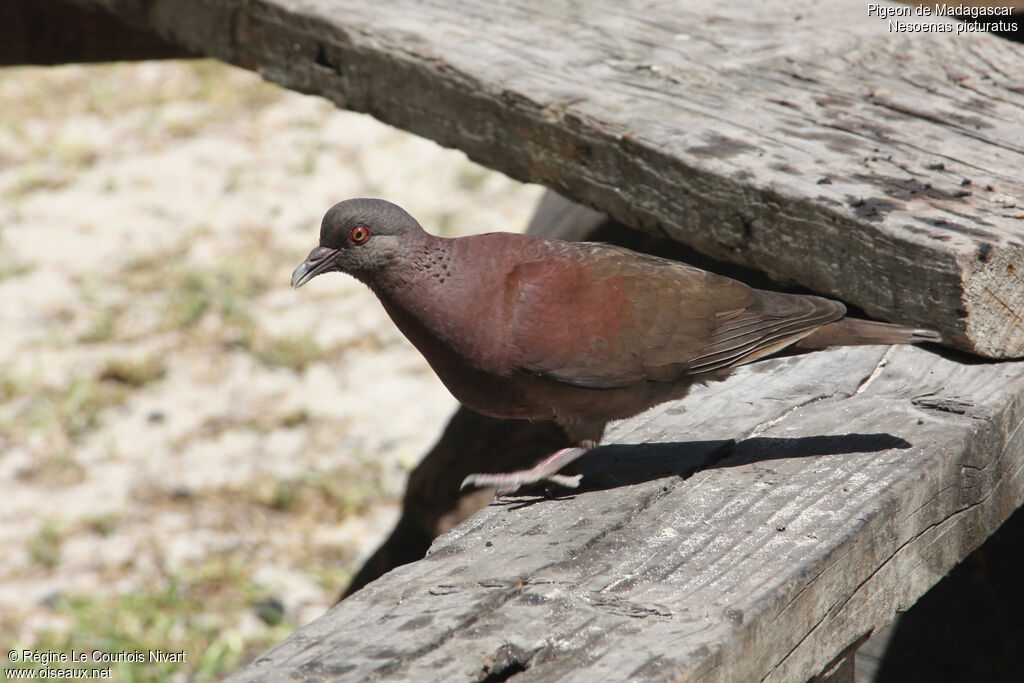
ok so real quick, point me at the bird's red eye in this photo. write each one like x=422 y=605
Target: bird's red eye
x=359 y=234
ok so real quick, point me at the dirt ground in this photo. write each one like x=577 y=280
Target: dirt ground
x=196 y=457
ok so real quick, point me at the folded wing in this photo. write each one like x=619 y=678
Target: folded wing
x=599 y=316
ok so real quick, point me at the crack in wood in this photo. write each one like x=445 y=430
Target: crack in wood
x=931 y=118
x=945 y=404
x=768 y=424
x=874 y=374
x=1018 y=316
x=626 y=608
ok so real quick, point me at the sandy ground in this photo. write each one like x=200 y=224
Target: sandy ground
x=180 y=432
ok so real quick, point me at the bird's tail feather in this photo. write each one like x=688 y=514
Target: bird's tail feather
x=853 y=332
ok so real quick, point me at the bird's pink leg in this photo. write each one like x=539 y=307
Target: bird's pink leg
x=509 y=482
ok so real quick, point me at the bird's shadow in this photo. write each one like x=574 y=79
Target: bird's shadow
x=620 y=465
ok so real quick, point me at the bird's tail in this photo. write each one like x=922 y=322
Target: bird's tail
x=853 y=332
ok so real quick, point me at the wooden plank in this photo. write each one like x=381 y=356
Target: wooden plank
x=966 y=628
x=806 y=139
x=56 y=32
x=758 y=530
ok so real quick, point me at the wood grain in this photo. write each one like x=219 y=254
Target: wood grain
x=805 y=138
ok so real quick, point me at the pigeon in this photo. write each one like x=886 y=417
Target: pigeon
x=581 y=333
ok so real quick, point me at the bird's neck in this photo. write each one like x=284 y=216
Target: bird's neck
x=412 y=289
x=416 y=272
x=438 y=302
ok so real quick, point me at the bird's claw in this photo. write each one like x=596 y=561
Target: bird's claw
x=510 y=482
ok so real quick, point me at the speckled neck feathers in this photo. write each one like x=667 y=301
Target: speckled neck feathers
x=434 y=262
x=426 y=261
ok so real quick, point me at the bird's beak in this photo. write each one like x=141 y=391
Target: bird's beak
x=320 y=260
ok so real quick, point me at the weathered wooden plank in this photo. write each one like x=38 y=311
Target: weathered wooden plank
x=805 y=139
x=966 y=628
x=56 y=32
x=822 y=494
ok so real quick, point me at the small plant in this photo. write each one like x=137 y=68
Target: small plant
x=103 y=525
x=73 y=410
x=11 y=269
x=9 y=386
x=133 y=372
x=331 y=577
x=45 y=546
x=294 y=353
x=102 y=327
x=471 y=177
x=341 y=493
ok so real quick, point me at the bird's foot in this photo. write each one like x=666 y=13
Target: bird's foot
x=510 y=482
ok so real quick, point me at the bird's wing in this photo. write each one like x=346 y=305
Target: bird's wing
x=599 y=316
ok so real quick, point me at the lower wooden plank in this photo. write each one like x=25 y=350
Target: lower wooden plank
x=756 y=530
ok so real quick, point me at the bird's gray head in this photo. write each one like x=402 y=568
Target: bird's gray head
x=360 y=237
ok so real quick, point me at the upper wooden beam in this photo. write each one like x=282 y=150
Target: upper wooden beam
x=807 y=139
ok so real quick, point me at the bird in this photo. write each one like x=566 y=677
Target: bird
x=581 y=333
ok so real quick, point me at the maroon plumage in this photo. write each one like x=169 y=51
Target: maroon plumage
x=581 y=333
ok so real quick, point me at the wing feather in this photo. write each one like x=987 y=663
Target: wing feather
x=600 y=316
